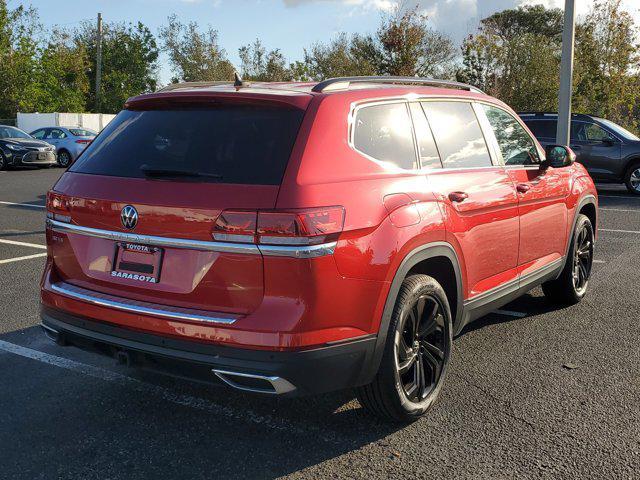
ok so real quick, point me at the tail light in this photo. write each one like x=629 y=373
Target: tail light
x=84 y=142
x=286 y=227
x=57 y=207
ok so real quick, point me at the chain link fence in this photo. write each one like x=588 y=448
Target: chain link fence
x=8 y=121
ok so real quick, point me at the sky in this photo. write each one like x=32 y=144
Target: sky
x=290 y=25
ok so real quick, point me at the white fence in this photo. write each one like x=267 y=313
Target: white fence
x=32 y=121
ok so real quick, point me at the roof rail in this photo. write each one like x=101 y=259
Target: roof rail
x=175 y=86
x=343 y=83
x=553 y=114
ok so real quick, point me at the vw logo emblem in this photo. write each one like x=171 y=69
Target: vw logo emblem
x=129 y=217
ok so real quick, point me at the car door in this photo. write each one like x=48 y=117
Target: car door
x=54 y=136
x=477 y=197
x=541 y=193
x=597 y=149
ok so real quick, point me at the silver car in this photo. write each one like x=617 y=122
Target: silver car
x=69 y=141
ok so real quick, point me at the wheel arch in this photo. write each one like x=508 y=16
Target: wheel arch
x=438 y=260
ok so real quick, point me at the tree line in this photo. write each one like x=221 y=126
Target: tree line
x=514 y=55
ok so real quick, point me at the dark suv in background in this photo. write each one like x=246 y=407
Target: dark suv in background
x=610 y=153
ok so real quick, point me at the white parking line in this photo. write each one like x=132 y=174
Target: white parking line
x=29 y=205
x=509 y=313
x=620 y=196
x=618 y=231
x=599 y=261
x=619 y=210
x=147 y=389
x=23 y=244
x=26 y=257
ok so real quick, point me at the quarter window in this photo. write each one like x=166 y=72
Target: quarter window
x=516 y=146
x=384 y=132
x=457 y=134
x=429 y=156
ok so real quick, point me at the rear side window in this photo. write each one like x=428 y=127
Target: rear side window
x=229 y=144
x=458 y=134
x=384 y=132
x=542 y=128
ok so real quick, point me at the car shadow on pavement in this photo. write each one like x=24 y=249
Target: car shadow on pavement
x=531 y=304
x=89 y=416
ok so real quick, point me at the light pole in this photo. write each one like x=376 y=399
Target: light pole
x=563 y=136
x=98 y=61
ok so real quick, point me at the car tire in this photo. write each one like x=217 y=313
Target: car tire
x=64 y=158
x=632 y=178
x=416 y=359
x=571 y=286
x=3 y=162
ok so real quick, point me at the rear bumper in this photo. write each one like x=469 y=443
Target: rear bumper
x=318 y=370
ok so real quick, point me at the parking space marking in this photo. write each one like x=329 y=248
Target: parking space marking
x=619 y=210
x=617 y=231
x=19 y=259
x=619 y=196
x=23 y=244
x=510 y=313
x=198 y=403
x=28 y=205
x=599 y=261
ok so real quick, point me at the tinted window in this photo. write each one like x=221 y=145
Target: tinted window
x=515 y=144
x=384 y=133
x=458 y=134
x=542 y=128
x=241 y=144
x=429 y=156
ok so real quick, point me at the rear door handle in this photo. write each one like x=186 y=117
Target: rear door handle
x=458 y=197
x=523 y=187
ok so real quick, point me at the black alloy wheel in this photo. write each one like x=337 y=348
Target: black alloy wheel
x=582 y=258
x=416 y=354
x=421 y=348
x=572 y=283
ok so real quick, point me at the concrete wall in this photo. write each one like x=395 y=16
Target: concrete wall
x=32 y=121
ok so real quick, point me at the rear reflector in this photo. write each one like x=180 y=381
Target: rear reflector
x=85 y=142
x=293 y=227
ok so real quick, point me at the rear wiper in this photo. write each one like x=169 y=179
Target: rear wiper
x=170 y=172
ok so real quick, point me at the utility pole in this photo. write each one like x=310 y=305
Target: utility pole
x=563 y=136
x=98 y=61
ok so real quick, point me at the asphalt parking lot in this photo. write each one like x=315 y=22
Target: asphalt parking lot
x=534 y=392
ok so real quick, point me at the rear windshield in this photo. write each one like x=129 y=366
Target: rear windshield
x=81 y=132
x=227 y=144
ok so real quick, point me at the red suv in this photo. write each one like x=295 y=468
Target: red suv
x=296 y=238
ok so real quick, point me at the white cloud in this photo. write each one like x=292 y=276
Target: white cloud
x=459 y=18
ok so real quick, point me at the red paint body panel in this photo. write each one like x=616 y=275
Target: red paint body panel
x=284 y=303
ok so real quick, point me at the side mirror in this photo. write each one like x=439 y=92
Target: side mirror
x=608 y=142
x=558 y=156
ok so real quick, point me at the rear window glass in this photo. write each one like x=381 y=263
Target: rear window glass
x=81 y=132
x=384 y=133
x=458 y=134
x=249 y=145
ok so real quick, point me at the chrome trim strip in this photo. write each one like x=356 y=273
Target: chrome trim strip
x=153 y=240
x=296 y=251
x=280 y=385
x=142 y=308
x=302 y=251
